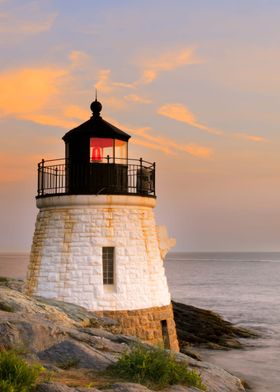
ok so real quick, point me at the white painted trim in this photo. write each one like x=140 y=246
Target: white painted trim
x=97 y=201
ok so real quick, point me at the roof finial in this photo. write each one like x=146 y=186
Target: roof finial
x=96 y=106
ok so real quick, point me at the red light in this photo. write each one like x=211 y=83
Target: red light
x=96 y=154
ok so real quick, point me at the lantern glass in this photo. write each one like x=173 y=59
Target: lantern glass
x=120 y=151
x=100 y=149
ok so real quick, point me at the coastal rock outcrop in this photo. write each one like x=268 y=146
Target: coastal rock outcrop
x=204 y=328
x=68 y=339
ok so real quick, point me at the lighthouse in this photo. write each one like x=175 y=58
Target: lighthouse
x=96 y=243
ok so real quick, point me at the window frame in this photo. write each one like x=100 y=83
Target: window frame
x=108 y=265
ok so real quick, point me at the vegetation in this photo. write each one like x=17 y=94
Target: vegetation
x=15 y=374
x=155 y=368
x=68 y=363
x=6 y=307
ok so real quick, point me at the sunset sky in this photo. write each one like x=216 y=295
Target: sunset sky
x=195 y=82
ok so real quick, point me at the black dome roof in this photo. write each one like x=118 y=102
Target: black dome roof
x=96 y=127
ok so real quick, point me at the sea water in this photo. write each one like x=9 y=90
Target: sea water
x=243 y=287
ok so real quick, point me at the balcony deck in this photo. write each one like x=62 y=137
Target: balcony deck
x=118 y=177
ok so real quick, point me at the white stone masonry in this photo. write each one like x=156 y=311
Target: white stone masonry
x=66 y=256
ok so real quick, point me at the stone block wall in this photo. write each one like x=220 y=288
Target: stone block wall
x=66 y=255
x=146 y=324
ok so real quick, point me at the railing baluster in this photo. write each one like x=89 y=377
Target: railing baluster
x=42 y=178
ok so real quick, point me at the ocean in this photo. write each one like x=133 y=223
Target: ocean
x=243 y=287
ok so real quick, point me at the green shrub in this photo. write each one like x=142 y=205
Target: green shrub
x=68 y=363
x=6 y=307
x=15 y=374
x=154 y=368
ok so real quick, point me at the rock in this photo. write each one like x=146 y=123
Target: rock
x=53 y=387
x=80 y=355
x=28 y=331
x=76 y=312
x=180 y=388
x=190 y=353
x=14 y=284
x=98 y=342
x=215 y=378
x=200 y=327
x=56 y=387
x=127 y=387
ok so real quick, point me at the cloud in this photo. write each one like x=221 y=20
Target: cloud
x=151 y=68
x=14 y=170
x=179 y=112
x=104 y=83
x=26 y=19
x=167 y=61
x=164 y=144
x=78 y=59
x=251 y=138
x=137 y=99
x=38 y=26
x=26 y=91
x=76 y=112
x=52 y=120
x=122 y=84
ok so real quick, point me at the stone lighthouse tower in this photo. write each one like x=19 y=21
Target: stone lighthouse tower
x=96 y=243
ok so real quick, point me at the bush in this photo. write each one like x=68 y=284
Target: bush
x=154 y=368
x=6 y=307
x=68 y=363
x=15 y=374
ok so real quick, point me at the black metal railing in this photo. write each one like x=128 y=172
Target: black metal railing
x=118 y=176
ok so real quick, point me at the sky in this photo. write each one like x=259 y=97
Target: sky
x=195 y=82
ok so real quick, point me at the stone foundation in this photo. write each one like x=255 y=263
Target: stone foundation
x=153 y=325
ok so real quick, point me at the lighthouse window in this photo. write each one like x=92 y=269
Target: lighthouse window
x=108 y=264
x=120 y=151
x=101 y=149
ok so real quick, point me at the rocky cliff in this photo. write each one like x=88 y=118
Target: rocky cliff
x=77 y=346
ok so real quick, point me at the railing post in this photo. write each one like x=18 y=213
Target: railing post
x=42 y=176
x=141 y=175
x=56 y=180
x=108 y=158
x=38 y=181
x=154 y=178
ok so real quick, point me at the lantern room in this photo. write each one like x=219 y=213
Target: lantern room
x=96 y=162
x=96 y=141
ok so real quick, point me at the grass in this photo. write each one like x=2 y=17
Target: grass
x=68 y=363
x=154 y=368
x=6 y=307
x=16 y=375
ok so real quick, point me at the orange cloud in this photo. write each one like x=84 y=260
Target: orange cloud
x=78 y=58
x=26 y=91
x=52 y=120
x=166 y=62
x=173 y=147
x=33 y=22
x=39 y=26
x=166 y=145
x=137 y=99
x=13 y=170
x=179 y=112
x=251 y=138
x=104 y=83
